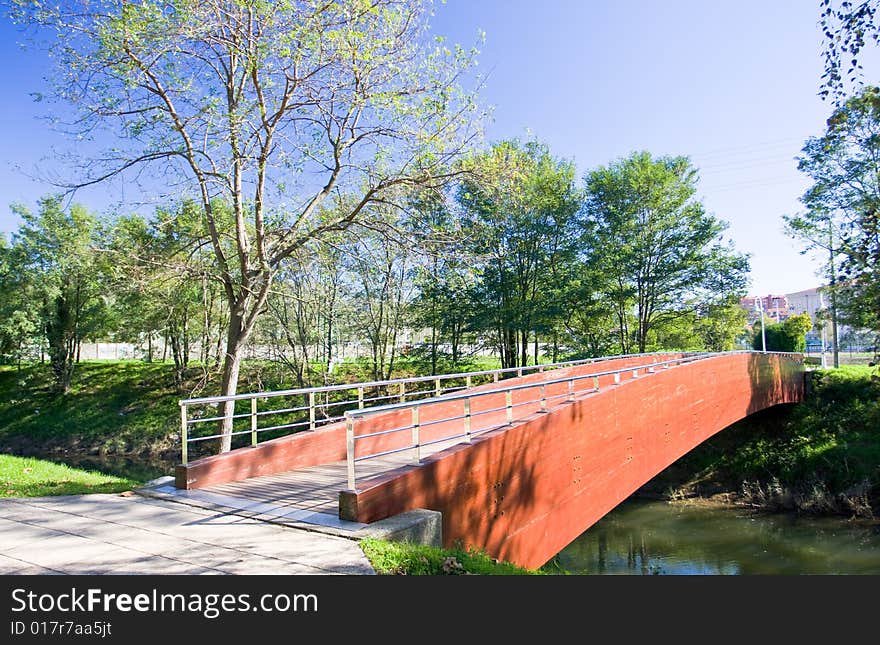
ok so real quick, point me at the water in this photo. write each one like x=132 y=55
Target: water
x=657 y=538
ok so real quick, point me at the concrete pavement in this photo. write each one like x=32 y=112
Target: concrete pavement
x=132 y=534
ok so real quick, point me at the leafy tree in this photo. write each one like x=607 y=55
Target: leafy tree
x=162 y=277
x=443 y=273
x=19 y=320
x=519 y=209
x=661 y=254
x=721 y=327
x=54 y=250
x=847 y=27
x=841 y=220
x=273 y=107
x=786 y=336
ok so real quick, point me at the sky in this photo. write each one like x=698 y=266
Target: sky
x=732 y=84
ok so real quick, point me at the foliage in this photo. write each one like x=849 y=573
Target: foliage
x=842 y=219
x=59 y=282
x=661 y=255
x=847 y=26
x=519 y=209
x=405 y=558
x=111 y=407
x=787 y=336
x=29 y=477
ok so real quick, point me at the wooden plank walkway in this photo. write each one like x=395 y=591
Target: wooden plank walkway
x=306 y=496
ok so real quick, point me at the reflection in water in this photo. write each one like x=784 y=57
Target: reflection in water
x=653 y=538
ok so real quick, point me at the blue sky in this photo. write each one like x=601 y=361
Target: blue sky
x=731 y=84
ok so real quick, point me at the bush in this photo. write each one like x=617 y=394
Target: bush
x=787 y=336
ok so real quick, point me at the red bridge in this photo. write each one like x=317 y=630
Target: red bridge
x=517 y=467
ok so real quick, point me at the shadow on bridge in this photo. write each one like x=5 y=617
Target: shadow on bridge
x=523 y=492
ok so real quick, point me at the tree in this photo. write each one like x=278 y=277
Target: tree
x=519 y=208
x=842 y=219
x=273 y=107
x=787 y=336
x=847 y=27
x=19 y=320
x=660 y=252
x=443 y=273
x=161 y=271
x=54 y=253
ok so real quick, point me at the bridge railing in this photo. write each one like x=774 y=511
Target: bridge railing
x=457 y=418
x=258 y=416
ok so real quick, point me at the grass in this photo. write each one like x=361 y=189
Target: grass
x=114 y=407
x=820 y=456
x=130 y=407
x=404 y=558
x=29 y=477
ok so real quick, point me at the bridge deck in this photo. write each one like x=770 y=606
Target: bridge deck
x=303 y=496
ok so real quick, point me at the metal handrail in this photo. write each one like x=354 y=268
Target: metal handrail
x=187 y=421
x=467 y=416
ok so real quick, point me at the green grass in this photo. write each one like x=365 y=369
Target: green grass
x=29 y=477
x=130 y=407
x=115 y=407
x=404 y=558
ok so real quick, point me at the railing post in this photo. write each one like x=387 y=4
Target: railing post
x=254 y=421
x=596 y=383
x=403 y=392
x=508 y=396
x=495 y=376
x=636 y=373
x=184 y=435
x=361 y=397
x=571 y=390
x=543 y=398
x=437 y=390
x=415 y=434
x=617 y=378
x=519 y=371
x=467 y=381
x=349 y=449
x=467 y=420
x=540 y=368
x=311 y=410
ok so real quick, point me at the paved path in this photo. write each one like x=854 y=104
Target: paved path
x=122 y=534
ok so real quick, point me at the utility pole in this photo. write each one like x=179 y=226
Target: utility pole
x=833 y=279
x=821 y=306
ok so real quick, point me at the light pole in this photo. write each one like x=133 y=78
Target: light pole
x=824 y=360
x=759 y=306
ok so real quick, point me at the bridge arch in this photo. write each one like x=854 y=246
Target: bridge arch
x=525 y=491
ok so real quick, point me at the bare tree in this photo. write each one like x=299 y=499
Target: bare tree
x=271 y=107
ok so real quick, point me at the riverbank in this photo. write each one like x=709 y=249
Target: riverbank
x=819 y=457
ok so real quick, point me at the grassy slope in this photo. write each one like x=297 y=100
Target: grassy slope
x=28 y=477
x=114 y=407
x=820 y=456
x=128 y=407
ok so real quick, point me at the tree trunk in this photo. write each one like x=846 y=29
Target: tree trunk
x=235 y=342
